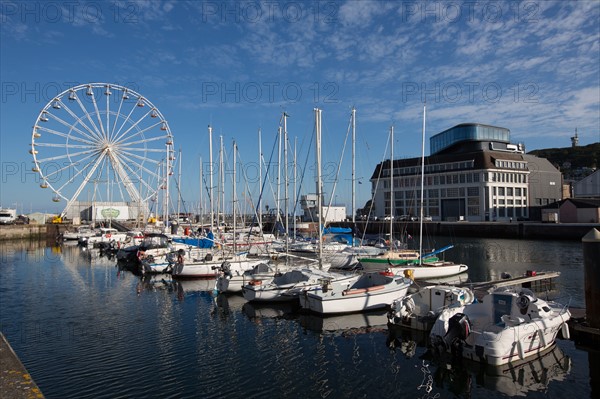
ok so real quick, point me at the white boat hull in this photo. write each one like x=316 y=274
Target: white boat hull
x=500 y=331
x=210 y=268
x=355 y=295
x=419 y=311
x=419 y=272
x=287 y=286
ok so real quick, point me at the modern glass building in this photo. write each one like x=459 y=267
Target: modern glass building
x=467 y=132
x=473 y=173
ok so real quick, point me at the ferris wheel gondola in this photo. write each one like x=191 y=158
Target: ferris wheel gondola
x=100 y=142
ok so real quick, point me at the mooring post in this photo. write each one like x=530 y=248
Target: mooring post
x=591 y=265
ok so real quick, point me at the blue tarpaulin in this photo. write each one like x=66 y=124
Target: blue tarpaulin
x=207 y=242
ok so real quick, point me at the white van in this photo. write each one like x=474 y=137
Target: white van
x=8 y=216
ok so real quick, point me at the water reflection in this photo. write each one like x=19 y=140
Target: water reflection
x=515 y=379
x=458 y=375
x=356 y=323
x=79 y=322
x=257 y=311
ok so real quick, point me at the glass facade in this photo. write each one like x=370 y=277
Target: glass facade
x=467 y=132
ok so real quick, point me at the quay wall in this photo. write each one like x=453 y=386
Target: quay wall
x=524 y=230
x=519 y=230
x=31 y=231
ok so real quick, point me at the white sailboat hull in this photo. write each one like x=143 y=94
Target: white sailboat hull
x=419 y=272
x=362 y=293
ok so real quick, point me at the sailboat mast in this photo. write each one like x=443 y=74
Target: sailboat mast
x=222 y=171
x=234 y=198
x=353 y=164
x=260 y=179
x=179 y=186
x=319 y=202
x=392 y=186
x=295 y=179
x=210 y=173
x=285 y=181
x=277 y=206
x=201 y=210
x=422 y=186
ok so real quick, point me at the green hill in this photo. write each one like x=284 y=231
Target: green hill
x=574 y=162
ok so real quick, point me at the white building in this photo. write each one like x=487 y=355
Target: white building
x=473 y=173
x=330 y=213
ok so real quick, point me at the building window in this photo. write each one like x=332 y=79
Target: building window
x=475 y=177
x=500 y=190
x=473 y=191
x=452 y=192
x=509 y=191
x=518 y=191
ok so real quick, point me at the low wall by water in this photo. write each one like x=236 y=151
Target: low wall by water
x=37 y=231
x=528 y=230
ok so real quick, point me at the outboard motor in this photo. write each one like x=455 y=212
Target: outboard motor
x=226 y=269
x=459 y=328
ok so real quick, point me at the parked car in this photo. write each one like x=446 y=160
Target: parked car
x=404 y=218
x=388 y=218
x=427 y=219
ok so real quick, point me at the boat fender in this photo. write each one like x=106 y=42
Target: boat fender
x=409 y=273
x=520 y=350
x=566 y=334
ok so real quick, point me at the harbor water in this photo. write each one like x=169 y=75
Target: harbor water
x=85 y=329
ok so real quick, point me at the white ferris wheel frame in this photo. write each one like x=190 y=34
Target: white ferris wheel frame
x=91 y=144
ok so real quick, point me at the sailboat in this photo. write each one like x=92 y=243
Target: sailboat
x=400 y=261
x=293 y=283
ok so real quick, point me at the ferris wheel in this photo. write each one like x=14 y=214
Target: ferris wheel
x=102 y=142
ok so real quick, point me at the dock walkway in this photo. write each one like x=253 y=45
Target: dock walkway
x=15 y=381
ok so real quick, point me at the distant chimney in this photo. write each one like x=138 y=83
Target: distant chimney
x=575 y=139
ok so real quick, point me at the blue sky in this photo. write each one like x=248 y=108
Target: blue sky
x=532 y=67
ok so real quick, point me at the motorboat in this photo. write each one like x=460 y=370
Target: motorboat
x=420 y=309
x=104 y=235
x=509 y=324
x=360 y=293
x=80 y=232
